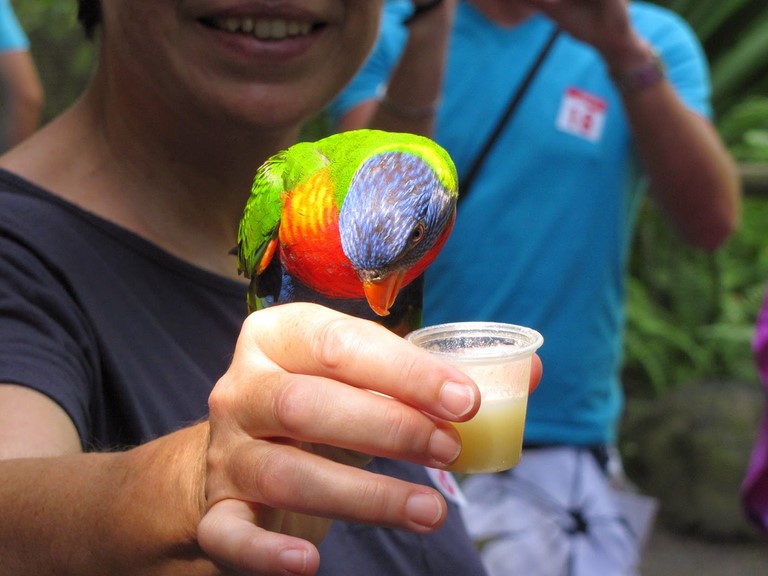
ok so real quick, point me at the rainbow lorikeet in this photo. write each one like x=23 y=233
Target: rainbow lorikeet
x=348 y=221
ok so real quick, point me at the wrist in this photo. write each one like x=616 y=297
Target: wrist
x=407 y=111
x=165 y=495
x=643 y=70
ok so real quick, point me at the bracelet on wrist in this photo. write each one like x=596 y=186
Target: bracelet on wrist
x=421 y=9
x=405 y=111
x=642 y=77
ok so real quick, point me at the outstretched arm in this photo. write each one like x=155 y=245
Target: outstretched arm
x=254 y=487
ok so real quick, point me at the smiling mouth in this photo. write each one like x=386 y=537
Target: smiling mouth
x=262 y=28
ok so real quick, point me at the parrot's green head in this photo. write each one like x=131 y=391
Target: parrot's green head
x=397 y=214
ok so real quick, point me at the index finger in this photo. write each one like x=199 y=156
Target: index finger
x=306 y=338
x=537 y=369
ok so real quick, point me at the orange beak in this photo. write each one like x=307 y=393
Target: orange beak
x=381 y=294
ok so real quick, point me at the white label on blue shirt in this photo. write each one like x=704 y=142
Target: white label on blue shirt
x=582 y=114
x=446 y=483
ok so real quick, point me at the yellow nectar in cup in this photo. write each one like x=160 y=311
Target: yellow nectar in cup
x=498 y=358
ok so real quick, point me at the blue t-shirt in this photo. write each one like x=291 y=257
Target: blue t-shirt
x=543 y=238
x=12 y=35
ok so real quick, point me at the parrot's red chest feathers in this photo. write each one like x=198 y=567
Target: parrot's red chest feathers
x=310 y=244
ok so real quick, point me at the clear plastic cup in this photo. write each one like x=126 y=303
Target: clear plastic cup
x=497 y=357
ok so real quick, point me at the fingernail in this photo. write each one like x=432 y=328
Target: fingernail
x=424 y=509
x=457 y=399
x=444 y=446
x=294 y=560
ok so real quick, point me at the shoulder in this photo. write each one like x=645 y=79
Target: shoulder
x=680 y=49
x=24 y=205
x=661 y=25
x=62 y=241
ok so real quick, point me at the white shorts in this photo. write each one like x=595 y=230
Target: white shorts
x=556 y=514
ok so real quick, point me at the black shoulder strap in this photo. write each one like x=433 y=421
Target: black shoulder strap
x=466 y=183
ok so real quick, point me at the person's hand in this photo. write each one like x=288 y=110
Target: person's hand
x=430 y=18
x=537 y=369
x=301 y=380
x=604 y=24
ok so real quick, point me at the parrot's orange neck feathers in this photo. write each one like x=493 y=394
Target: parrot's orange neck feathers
x=310 y=245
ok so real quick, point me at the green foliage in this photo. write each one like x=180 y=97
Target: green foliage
x=744 y=129
x=316 y=128
x=691 y=314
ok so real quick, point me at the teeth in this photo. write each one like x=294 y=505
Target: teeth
x=231 y=24
x=277 y=29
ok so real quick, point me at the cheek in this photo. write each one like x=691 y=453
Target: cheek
x=140 y=35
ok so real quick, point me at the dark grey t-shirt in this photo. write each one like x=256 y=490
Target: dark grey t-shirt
x=130 y=340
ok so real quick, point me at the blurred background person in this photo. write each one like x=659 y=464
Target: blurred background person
x=754 y=491
x=608 y=98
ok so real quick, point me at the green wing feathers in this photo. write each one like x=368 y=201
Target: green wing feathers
x=261 y=217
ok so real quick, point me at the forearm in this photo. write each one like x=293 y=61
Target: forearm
x=22 y=97
x=21 y=119
x=414 y=87
x=133 y=512
x=691 y=174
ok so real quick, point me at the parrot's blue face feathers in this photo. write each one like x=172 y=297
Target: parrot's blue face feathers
x=394 y=211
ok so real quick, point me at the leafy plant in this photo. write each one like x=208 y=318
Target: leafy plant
x=744 y=129
x=691 y=314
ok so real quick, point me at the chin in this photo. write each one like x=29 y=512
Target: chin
x=284 y=109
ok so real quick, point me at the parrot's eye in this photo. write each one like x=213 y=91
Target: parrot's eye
x=417 y=234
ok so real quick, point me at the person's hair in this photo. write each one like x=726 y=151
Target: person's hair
x=89 y=15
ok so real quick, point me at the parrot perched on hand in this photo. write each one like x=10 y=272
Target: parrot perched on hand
x=347 y=222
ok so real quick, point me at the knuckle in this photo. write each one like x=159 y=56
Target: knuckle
x=335 y=343
x=218 y=399
x=295 y=408
x=375 y=500
x=401 y=428
x=277 y=475
x=225 y=399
